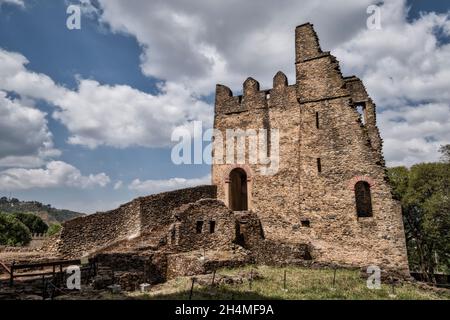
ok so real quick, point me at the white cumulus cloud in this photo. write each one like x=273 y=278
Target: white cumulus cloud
x=55 y=174
x=25 y=139
x=118 y=116
x=19 y=3
x=155 y=186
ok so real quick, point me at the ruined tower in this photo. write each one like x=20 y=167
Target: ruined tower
x=330 y=189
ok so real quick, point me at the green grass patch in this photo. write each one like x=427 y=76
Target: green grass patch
x=301 y=283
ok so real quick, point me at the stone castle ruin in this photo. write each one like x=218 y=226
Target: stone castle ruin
x=329 y=203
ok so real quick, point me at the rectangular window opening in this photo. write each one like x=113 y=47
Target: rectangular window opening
x=317 y=120
x=199 y=226
x=306 y=223
x=319 y=165
x=212 y=226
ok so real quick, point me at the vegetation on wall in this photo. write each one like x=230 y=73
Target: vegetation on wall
x=53 y=229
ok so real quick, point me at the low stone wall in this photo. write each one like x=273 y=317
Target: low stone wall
x=150 y=267
x=156 y=209
x=249 y=231
x=84 y=235
x=277 y=253
x=205 y=224
x=89 y=234
x=195 y=263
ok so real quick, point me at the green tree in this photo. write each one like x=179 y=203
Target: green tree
x=54 y=229
x=34 y=223
x=12 y=231
x=445 y=151
x=424 y=192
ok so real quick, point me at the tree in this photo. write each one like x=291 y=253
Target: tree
x=445 y=151
x=34 y=223
x=12 y=231
x=424 y=192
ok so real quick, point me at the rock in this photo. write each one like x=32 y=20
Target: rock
x=115 y=288
x=31 y=297
x=101 y=282
x=145 y=287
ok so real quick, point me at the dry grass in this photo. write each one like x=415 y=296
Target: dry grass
x=302 y=283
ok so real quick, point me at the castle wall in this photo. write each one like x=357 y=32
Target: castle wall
x=88 y=234
x=205 y=224
x=319 y=126
x=83 y=235
x=156 y=209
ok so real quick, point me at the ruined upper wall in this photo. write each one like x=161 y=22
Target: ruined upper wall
x=86 y=234
x=205 y=224
x=307 y=44
x=318 y=73
x=356 y=89
x=156 y=209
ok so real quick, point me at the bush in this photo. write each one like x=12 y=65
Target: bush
x=34 y=223
x=12 y=231
x=54 y=229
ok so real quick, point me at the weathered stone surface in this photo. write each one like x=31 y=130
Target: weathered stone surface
x=317 y=118
x=88 y=234
x=305 y=213
x=199 y=262
x=205 y=224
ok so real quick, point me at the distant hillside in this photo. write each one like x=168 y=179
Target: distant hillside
x=46 y=212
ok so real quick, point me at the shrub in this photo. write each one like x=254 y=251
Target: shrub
x=34 y=223
x=54 y=229
x=12 y=231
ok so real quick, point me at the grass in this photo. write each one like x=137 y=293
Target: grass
x=302 y=283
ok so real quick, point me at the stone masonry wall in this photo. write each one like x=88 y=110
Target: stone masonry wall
x=89 y=234
x=156 y=209
x=318 y=123
x=205 y=224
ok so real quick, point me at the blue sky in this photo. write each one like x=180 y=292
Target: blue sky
x=150 y=49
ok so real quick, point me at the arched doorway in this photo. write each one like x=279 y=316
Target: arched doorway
x=237 y=193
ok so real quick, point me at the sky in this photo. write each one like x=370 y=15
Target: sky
x=86 y=115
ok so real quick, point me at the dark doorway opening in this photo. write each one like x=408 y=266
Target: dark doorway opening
x=363 y=199
x=238 y=197
x=212 y=226
x=199 y=226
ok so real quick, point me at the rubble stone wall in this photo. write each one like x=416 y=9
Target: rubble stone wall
x=205 y=224
x=89 y=234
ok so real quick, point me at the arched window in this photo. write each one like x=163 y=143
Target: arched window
x=363 y=199
x=238 y=200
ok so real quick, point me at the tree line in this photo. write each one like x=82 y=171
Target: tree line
x=424 y=193
x=16 y=229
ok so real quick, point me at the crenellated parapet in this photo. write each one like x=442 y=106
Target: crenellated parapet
x=253 y=97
